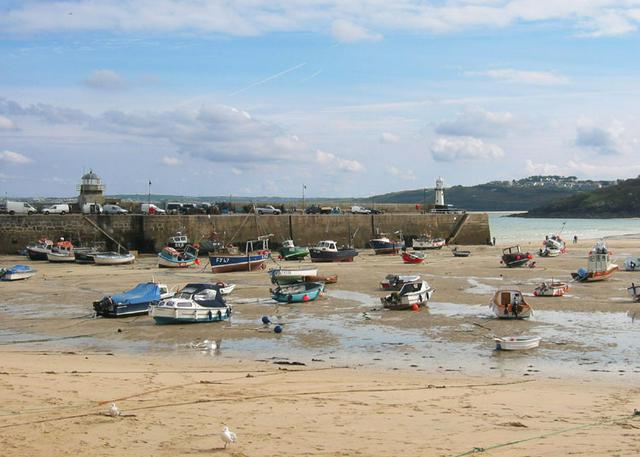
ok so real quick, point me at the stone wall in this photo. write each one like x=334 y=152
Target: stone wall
x=149 y=233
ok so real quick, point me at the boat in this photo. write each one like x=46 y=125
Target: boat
x=132 y=302
x=551 y=289
x=634 y=291
x=413 y=293
x=40 y=249
x=549 y=252
x=599 y=266
x=460 y=253
x=85 y=256
x=395 y=282
x=384 y=245
x=512 y=257
x=291 y=275
x=205 y=246
x=225 y=287
x=510 y=304
x=331 y=279
x=426 y=242
x=171 y=258
x=113 y=258
x=555 y=243
x=289 y=251
x=631 y=264
x=196 y=302
x=517 y=343
x=412 y=257
x=250 y=261
x=16 y=272
x=297 y=293
x=178 y=241
x=328 y=251
x=62 y=252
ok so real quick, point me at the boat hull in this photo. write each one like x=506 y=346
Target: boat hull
x=296 y=253
x=105 y=309
x=55 y=257
x=35 y=253
x=227 y=263
x=285 y=276
x=386 y=247
x=409 y=258
x=311 y=292
x=163 y=262
x=594 y=276
x=517 y=343
x=114 y=260
x=168 y=316
x=345 y=255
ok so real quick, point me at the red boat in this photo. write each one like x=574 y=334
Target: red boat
x=413 y=257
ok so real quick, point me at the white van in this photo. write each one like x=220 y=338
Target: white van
x=360 y=210
x=150 y=208
x=62 y=208
x=114 y=209
x=20 y=208
x=91 y=208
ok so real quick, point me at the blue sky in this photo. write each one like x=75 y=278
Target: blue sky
x=351 y=98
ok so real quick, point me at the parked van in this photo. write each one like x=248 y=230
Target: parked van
x=92 y=208
x=114 y=209
x=61 y=208
x=174 y=208
x=150 y=208
x=20 y=208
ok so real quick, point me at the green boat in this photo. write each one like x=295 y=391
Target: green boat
x=289 y=251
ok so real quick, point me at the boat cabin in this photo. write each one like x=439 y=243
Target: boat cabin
x=288 y=244
x=411 y=287
x=327 y=245
x=510 y=297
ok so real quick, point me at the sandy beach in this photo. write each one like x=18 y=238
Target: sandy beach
x=344 y=378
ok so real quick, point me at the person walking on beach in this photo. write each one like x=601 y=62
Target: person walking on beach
x=575 y=239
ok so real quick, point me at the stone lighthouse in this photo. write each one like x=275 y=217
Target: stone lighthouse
x=91 y=189
x=439 y=192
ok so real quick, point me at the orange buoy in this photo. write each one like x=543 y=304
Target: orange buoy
x=415 y=307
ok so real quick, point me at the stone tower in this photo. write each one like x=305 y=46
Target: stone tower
x=91 y=189
x=440 y=192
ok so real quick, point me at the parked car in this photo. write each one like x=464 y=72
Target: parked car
x=174 y=208
x=268 y=210
x=150 y=208
x=375 y=211
x=360 y=210
x=313 y=209
x=92 y=208
x=114 y=209
x=20 y=208
x=61 y=208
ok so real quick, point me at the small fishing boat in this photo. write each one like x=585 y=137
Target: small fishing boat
x=460 y=253
x=171 y=258
x=395 y=282
x=426 y=242
x=225 y=287
x=512 y=257
x=40 y=249
x=289 y=251
x=113 y=258
x=132 y=302
x=510 y=304
x=384 y=245
x=549 y=252
x=252 y=259
x=551 y=289
x=555 y=243
x=599 y=266
x=632 y=264
x=415 y=293
x=517 y=343
x=62 y=252
x=412 y=257
x=178 y=241
x=297 y=293
x=331 y=279
x=87 y=256
x=291 y=275
x=195 y=303
x=16 y=273
x=328 y=251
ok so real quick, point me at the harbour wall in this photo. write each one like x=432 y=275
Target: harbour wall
x=149 y=233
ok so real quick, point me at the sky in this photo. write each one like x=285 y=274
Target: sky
x=345 y=97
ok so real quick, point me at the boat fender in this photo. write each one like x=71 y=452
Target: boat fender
x=420 y=298
x=210 y=315
x=219 y=315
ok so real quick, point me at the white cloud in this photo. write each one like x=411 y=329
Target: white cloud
x=407 y=175
x=464 y=148
x=477 y=122
x=512 y=75
x=348 y=32
x=171 y=161
x=331 y=161
x=7 y=124
x=543 y=168
x=608 y=140
x=14 y=157
x=387 y=137
x=105 y=80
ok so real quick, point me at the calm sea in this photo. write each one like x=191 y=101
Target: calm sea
x=520 y=229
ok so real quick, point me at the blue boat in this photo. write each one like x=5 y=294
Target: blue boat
x=298 y=293
x=170 y=258
x=384 y=245
x=16 y=273
x=132 y=302
x=196 y=302
x=250 y=261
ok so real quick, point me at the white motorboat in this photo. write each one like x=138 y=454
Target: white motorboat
x=225 y=287
x=551 y=289
x=194 y=303
x=290 y=275
x=411 y=293
x=426 y=242
x=517 y=343
x=510 y=304
x=16 y=272
x=395 y=281
x=113 y=258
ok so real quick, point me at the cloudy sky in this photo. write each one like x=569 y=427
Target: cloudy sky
x=350 y=97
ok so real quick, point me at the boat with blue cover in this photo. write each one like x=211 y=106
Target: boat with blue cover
x=298 y=293
x=171 y=258
x=253 y=259
x=196 y=302
x=16 y=273
x=132 y=302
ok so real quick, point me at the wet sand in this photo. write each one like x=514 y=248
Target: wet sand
x=365 y=380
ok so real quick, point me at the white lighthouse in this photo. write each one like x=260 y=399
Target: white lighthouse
x=440 y=192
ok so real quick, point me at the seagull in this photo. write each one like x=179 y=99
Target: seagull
x=114 y=411
x=228 y=436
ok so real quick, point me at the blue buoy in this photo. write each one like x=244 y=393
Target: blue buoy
x=277 y=329
x=266 y=320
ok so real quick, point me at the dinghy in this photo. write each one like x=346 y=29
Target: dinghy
x=171 y=258
x=512 y=257
x=291 y=275
x=517 y=343
x=412 y=293
x=196 y=302
x=297 y=293
x=16 y=272
x=132 y=302
x=113 y=258
x=412 y=257
x=632 y=264
x=458 y=253
x=551 y=289
x=510 y=304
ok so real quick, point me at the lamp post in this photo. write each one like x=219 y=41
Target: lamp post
x=149 y=200
x=304 y=186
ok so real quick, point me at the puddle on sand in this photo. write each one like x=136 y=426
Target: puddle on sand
x=360 y=298
x=478 y=288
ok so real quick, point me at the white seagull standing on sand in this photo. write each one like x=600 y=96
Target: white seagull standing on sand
x=114 y=411
x=228 y=436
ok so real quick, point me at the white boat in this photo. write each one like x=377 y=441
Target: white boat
x=225 y=287
x=510 y=304
x=632 y=264
x=549 y=252
x=395 y=282
x=425 y=242
x=551 y=289
x=411 y=293
x=517 y=343
x=599 y=266
x=194 y=303
x=113 y=258
x=16 y=272
x=554 y=242
x=290 y=275
x=61 y=256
